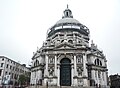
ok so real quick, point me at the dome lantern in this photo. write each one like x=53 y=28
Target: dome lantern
x=68 y=23
x=67 y=13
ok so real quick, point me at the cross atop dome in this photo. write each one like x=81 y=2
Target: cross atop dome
x=67 y=13
x=67 y=6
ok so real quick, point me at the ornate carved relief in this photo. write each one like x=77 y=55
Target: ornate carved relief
x=51 y=71
x=79 y=70
x=79 y=59
x=80 y=82
x=79 y=62
x=99 y=74
x=51 y=59
x=51 y=62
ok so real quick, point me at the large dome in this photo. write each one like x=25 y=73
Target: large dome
x=67 y=20
x=68 y=23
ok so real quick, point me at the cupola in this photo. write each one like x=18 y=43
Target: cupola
x=67 y=13
x=68 y=23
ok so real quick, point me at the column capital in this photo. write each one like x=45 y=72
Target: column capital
x=58 y=66
x=72 y=66
x=74 y=54
x=83 y=54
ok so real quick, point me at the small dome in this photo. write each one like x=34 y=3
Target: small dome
x=67 y=20
x=67 y=17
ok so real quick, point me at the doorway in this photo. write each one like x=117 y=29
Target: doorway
x=65 y=72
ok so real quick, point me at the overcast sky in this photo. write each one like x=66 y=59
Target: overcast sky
x=24 y=23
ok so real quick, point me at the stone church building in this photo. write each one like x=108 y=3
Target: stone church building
x=66 y=57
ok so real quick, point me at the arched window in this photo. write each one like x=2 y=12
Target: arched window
x=70 y=41
x=36 y=63
x=67 y=13
x=95 y=62
x=62 y=41
x=98 y=62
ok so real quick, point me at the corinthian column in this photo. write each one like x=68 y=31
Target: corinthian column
x=55 y=65
x=75 y=69
x=72 y=71
x=58 y=73
x=85 y=73
x=46 y=67
x=75 y=72
x=46 y=70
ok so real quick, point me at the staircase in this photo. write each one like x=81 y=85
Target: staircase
x=57 y=87
x=61 y=87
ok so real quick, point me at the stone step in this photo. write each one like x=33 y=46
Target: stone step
x=56 y=87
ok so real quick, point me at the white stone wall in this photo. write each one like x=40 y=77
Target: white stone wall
x=93 y=74
x=74 y=81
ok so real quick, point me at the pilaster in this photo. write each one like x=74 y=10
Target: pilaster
x=93 y=74
x=58 y=74
x=55 y=65
x=72 y=71
x=75 y=72
x=75 y=68
x=46 y=70
x=105 y=78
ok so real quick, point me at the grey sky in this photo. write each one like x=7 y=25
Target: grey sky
x=24 y=23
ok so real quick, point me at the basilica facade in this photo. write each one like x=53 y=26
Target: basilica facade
x=66 y=57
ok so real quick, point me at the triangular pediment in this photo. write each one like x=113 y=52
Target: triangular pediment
x=64 y=46
x=98 y=53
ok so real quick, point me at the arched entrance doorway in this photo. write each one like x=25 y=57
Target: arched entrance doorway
x=65 y=72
